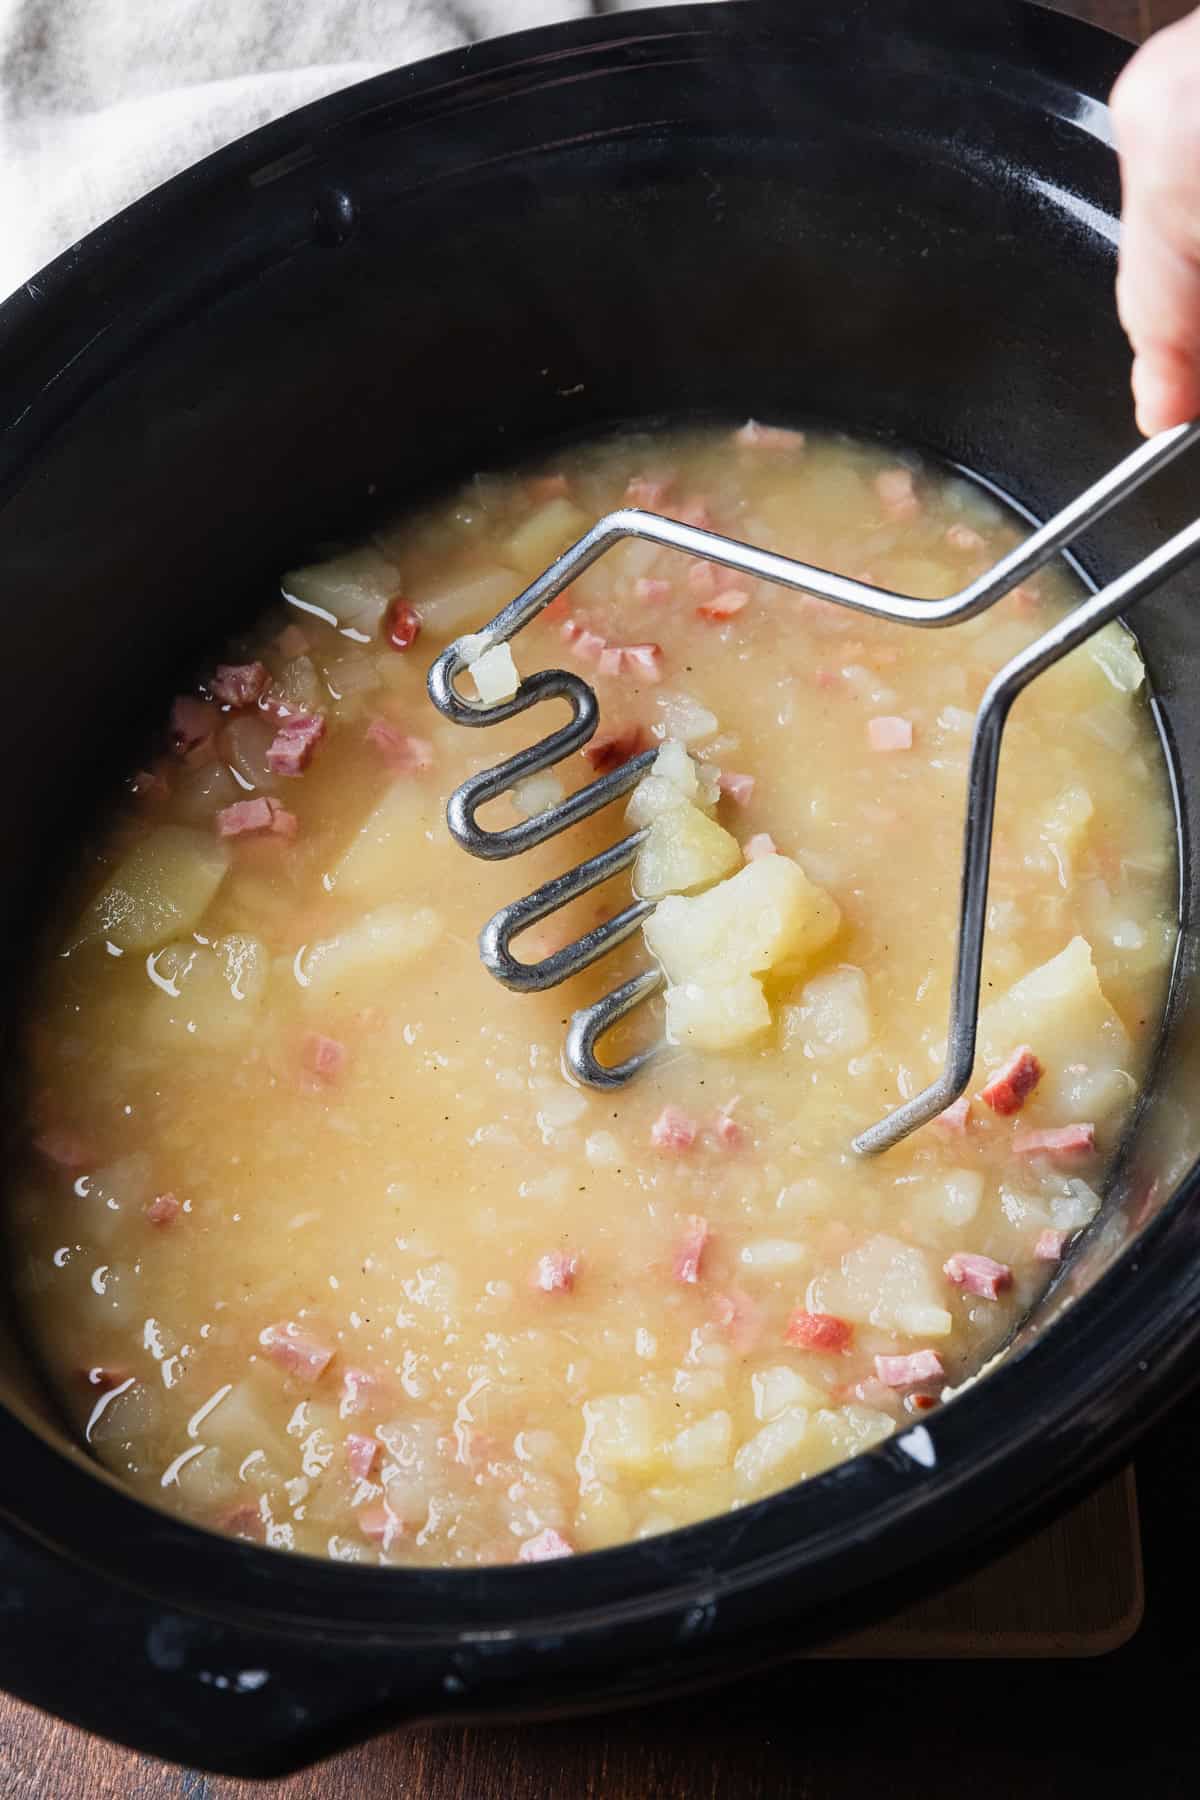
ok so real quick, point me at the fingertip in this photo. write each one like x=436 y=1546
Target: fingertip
x=1158 y=399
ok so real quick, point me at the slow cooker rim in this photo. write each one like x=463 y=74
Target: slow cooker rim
x=445 y=81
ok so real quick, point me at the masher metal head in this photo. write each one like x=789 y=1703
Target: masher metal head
x=590 y=1024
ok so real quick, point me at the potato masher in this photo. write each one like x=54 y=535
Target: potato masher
x=590 y=1024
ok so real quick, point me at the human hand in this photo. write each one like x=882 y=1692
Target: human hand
x=1156 y=115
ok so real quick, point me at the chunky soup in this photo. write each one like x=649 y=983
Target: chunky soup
x=320 y=1246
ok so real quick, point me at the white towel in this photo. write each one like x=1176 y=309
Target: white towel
x=100 y=100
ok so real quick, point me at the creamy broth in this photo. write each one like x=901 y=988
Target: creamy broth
x=318 y=1243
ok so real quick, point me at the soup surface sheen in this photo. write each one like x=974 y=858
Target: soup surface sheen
x=319 y=1245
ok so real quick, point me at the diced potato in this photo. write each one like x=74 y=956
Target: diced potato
x=354 y=965
x=538 y=794
x=705 y=1494
x=463 y=600
x=1107 y=667
x=707 y=1444
x=602 y=1517
x=495 y=674
x=300 y=685
x=771 y=1256
x=201 y=793
x=246 y=1420
x=161 y=890
x=1075 y=1207
x=699 y=1387
x=684 y=850
x=717 y=1015
x=849 y=1430
x=545 y=535
x=245 y=742
x=1063 y=828
x=685 y=718
x=379 y=858
x=1060 y=1009
x=760 y=1463
x=833 y=1016
x=618 y=1433
x=950 y=1199
x=781 y=1389
x=887 y=1284
x=354 y=589
x=675 y=779
x=206 y=995
x=1115 y=651
x=350 y=679
x=767 y=917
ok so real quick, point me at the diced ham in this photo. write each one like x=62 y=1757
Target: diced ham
x=1050 y=1244
x=614 y=748
x=324 y=1056
x=964 y=537
x=652 y=587
x=753 y=436
x=643 y=661
x=920 y=1402
x=361 y=1452
x=239 y=684
x=690 y=1254
x=728 y=1133
x=291 y=749
x=761 y=844
x=570 y=631
x=1026 y=600
x=650 y=491
x=362 y=1390
x=817 y=1331
x=611 y=660
x=401 y=625
x=673 y=1130
x=738 y=787
x=955 y=1118
x=244 y=1521
x=163 y=1208
x=107 y=1377
x=400 y=750
x=548 y=487
x=150 y=787
x=556 y=1271
x=1009 y=1088
x=885 y=733
x=59 y=1144
x=1062 y=1140
x=826 y=678
x=980 y=1275
x=380 y=1524
x=292 y=642
x=895 y=488
x=193 y=730
x=703 y=579
x=907 y=1371
x=544 y=1547
x=590 y=645
x=263 y=813
x=695 y=512
x=723 y=606
x=743 y=1319
x=296 y=1349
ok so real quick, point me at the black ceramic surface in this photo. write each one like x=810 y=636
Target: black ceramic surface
x=896 y=217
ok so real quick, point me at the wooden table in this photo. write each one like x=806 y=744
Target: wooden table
x=877 y=1727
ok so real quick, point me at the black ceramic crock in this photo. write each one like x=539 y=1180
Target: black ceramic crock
x=895 y=217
